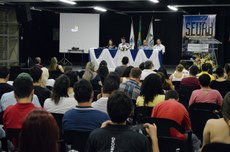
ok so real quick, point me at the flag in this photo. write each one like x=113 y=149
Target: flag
x=139 y=41
x=150 y=36
x=131 y=38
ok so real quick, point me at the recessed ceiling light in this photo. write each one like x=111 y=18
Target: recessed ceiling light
x=68 y=2
x=100 y=9
x=172 y=7
x=155 y=1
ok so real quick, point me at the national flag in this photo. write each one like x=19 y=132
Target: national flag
x=131 y=38
x=150 y=36
x=139 y=41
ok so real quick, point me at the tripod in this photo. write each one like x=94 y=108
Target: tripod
x=64 y=61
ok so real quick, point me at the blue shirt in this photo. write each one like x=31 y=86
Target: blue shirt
x=9 y=99
x=83 y=119
x=131 y=88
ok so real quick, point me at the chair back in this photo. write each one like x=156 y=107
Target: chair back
x=185 y=94
x=77 y=139
x=13 y=136
x=54 y=74
x=58 y=117
x=214 y=147
x=169 y=144
x=164 y=125
x=166 y=142
x=141 y=113
x=205 y=106
x=176 y=85
x=199 y=115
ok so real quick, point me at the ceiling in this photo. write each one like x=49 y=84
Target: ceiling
x=121 y=6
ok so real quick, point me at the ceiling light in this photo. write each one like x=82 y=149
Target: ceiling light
x=68 y=2
x=155 y=1
x=100 y=9
x=172 y=7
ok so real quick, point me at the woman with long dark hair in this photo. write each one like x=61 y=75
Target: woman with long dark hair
x=103 y=70
x=151 y=91
x=60 y=102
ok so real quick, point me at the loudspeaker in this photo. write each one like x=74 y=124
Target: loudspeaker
x=23 y=13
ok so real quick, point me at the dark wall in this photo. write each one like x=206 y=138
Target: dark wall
x=38 y=34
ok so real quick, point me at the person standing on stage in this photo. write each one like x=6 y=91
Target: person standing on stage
x=123 y=43
x=159 y=46
x=110 y=44
x=145 y=46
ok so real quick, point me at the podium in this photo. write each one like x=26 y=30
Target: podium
x=199 y=44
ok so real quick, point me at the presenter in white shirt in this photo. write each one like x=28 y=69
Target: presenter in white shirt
x=123 y=43
x=159 y=46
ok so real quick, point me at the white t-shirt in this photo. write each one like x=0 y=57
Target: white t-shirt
x=160 y=47
x=64 y=105
x=146 y=72
x=101 y=104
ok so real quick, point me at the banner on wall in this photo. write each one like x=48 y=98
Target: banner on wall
x=196 y=28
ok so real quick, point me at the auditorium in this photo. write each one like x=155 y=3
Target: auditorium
x=114 y=76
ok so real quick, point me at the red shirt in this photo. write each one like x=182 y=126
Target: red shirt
x=190 y=82
x=173 y=110
x=14 y=116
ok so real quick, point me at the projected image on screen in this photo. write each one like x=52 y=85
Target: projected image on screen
x=78 y=31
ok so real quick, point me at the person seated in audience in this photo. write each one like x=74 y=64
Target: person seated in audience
x=83 y=117
x=60 y=102
x=115 y=135
x=191 y=80
x=142 y=66
x=220 y=84
x=185 y=71
x=9 y=99
x=227 y=71
x=14 y=115
x=149 y=67
x=206 y=70
x=166 y=83
x=132 y=86
x=42 y=93
x=145 y=46
x=205 y=94
x=173 y=110
x=45 y=77
x=39 y=133
x=4 y=77
x=178 y=75
x=93 y=77
x=115 y=77
x=54 y=66
x=110 y=44
x=109 y=86
x=120 y=69
x=73 y=77
x=126 y=75
x=151 y=92
x=38 y=62
x=103 y=70
x=217 y=130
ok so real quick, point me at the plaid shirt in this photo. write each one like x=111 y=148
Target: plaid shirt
x=131 y=88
